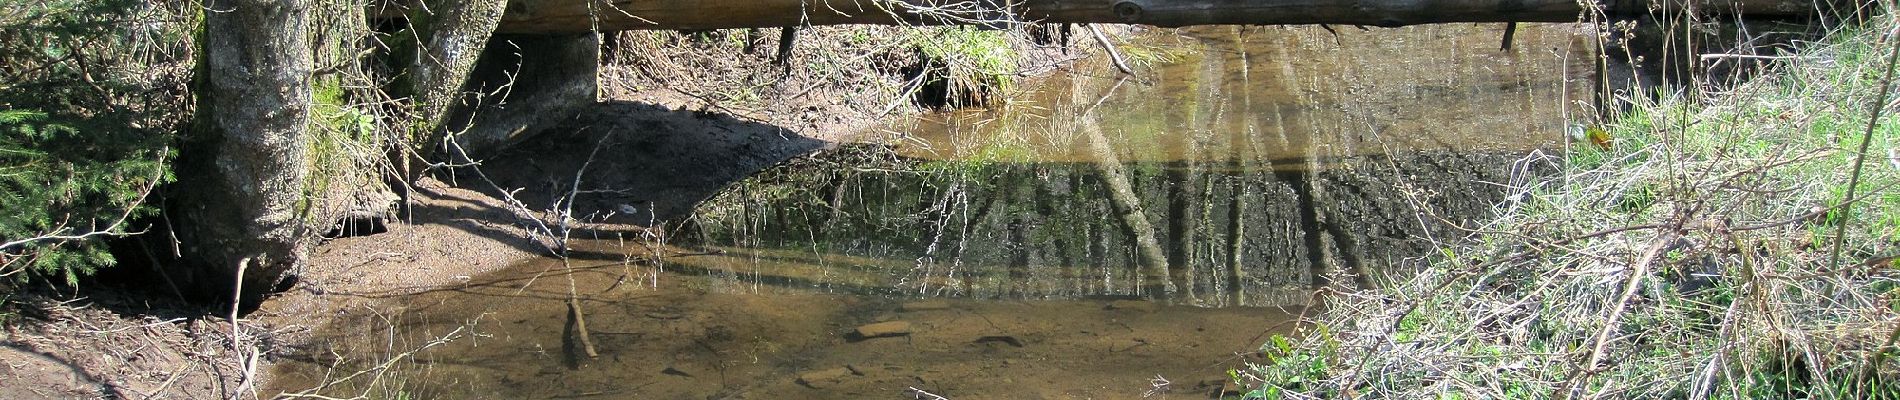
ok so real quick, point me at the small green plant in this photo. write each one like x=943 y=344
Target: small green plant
x=344 y=141
x=1288 y=367
x=974 y=65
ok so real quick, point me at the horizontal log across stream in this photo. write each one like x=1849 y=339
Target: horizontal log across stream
x=574 y=16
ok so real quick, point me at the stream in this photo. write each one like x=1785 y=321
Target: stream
x=1096 y=236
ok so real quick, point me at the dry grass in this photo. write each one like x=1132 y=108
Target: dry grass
x=1690 y=258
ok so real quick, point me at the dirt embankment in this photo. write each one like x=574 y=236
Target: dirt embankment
x=683 y=114
x=107 y=346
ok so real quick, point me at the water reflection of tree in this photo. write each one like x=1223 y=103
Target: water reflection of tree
x=1225 y=198
x=1152 y=263
x=1038 y=230
x=1241 y=146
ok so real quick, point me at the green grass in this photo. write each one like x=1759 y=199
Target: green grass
x=1739 y=301
x=344 y=144
x=975 y=66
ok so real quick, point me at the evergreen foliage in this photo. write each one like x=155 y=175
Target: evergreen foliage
x=91 y=93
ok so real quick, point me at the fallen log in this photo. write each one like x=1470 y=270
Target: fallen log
x=573 y=16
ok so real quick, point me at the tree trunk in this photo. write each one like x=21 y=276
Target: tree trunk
x=574 y=16
x=452 y=36
x=548 y=79
x=238 y=203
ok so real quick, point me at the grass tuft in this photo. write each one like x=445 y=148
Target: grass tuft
x=1688 y=258
x=972 y=66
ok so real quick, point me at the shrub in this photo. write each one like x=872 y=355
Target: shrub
x=1687 y=258
x=90 y=95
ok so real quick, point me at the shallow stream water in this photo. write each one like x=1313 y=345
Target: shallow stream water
x=1098 y=236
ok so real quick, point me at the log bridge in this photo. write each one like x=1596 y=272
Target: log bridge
x=576 y=16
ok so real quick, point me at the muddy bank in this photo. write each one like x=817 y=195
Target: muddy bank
x=834 y=82
x=104 y=344
x=461 y=226
x=656 y=160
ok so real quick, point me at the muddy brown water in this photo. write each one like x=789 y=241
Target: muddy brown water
x=1097 y=237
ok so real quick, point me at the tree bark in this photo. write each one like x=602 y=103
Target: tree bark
x=574 y=16
x=239 y=198
x=452 y=36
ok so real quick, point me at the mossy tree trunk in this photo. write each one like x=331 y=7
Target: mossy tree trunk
x=452 y=35
x=244 y=200
x=239 y=202
x=486 y=91
x=548 y=79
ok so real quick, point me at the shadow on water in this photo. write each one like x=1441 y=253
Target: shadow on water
x=1096 y=238
x=704 y=152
